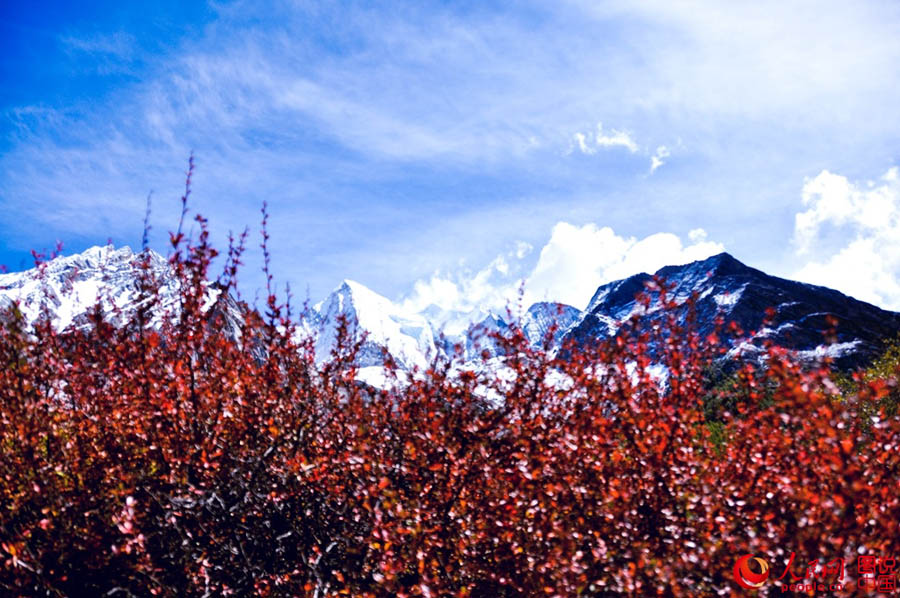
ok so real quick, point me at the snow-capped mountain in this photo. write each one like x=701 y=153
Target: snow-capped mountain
x=544 y=316
x=415 y=339
x=408 y=337
x=67 y=288
x=738 y=293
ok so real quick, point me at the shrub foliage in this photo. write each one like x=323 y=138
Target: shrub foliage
x=170 y=459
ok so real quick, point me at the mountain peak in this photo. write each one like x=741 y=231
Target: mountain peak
x=357 y=297
x=721 y=264
x=352 y=286
x=723 y=260
x=100 y=252
x=722 y=286
x=406 y=336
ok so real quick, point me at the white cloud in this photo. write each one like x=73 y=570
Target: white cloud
x=570 y=267
x=615 y=139
x=697 y=235
x=581 y=141
x=523 y=249
x=439 y=290
x=588 y=143
x=658 y=158
x=765 y=56
x=865 y=269
x=577 y=260
x=854 y=230
x=492 y=288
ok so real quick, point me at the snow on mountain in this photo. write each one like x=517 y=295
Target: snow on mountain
x=407 y=337
x=67 y=288
x=414 y=339
x=544 y=316
x=480 y=338
x=464 y=332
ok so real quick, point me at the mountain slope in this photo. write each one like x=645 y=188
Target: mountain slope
x=726 y=287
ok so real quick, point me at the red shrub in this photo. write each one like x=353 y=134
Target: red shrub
x=181 y=462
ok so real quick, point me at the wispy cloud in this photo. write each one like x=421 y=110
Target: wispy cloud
x=103 y=54
x=446 y=129
x=659 y=158
x=591 y=141
x=120 y=44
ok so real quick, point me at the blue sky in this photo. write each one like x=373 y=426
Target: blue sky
x=438 y=152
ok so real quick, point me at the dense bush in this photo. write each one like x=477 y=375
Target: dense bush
x=178 y=461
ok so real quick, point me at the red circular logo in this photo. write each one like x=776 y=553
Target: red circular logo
x=745 y=577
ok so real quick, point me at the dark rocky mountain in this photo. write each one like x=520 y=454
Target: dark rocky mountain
x=725 y=287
